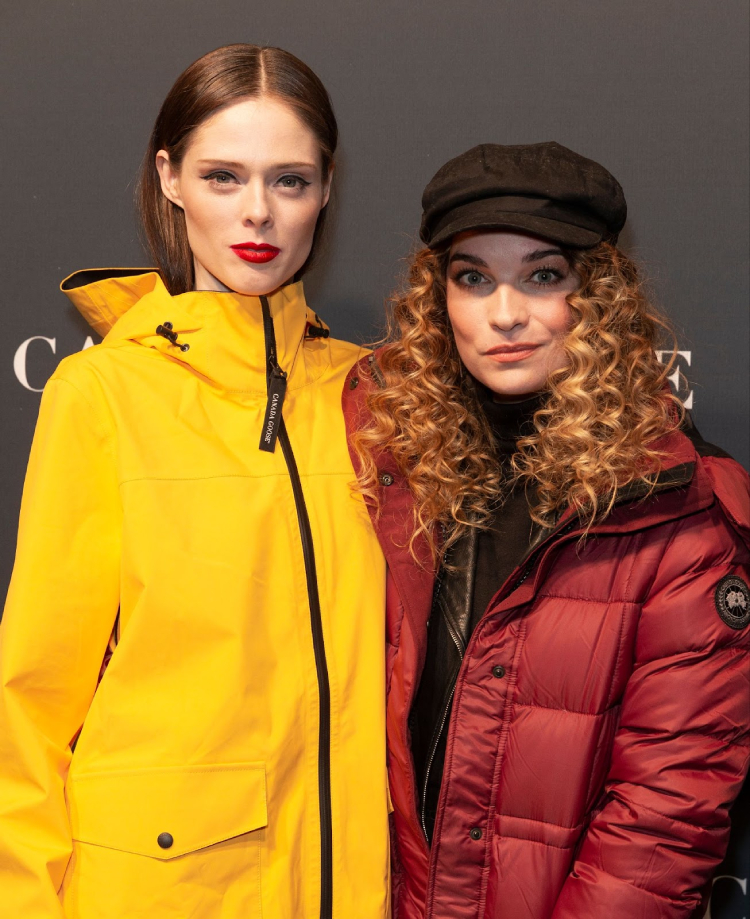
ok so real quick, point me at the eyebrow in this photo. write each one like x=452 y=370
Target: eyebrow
x=228 y=163
x=541 y=253
x=534 y=256
x=231 y=165
x=296 y=166
x=471 y=259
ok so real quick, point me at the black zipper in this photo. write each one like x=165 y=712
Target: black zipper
x=435 y=740
x=523 y=569
x=274 y=374
x=276 y=383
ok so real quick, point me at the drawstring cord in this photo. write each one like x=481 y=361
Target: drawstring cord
x=166 y=331
x=316 y=331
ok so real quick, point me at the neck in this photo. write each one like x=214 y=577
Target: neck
x=509 y=419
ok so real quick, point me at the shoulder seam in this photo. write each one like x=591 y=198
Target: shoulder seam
x=106 y=432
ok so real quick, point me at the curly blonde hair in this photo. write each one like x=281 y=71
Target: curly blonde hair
x=594 y=434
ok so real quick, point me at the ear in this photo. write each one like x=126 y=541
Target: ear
x=327 y=187
x=169 y=177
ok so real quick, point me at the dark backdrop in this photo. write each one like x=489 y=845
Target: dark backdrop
x=656 y=90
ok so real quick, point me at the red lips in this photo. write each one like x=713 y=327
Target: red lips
x=255 y=252
x=507 y=354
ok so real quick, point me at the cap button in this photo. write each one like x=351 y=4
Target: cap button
x=165 y=840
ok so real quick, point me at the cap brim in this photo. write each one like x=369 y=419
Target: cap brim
x=486 y=215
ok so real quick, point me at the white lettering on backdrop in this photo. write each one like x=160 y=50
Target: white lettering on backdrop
x=19 y=360
x=742 y=882
x=677 y=378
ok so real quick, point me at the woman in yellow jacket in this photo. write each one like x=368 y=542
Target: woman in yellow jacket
x=187 y=506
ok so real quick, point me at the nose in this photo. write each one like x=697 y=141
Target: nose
x=256 y=206
x=507 y=308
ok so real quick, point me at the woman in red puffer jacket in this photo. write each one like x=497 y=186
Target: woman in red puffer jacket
x=568 y=609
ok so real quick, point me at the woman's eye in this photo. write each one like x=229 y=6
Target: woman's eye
x=220 y=178
x=293 y=182
x=545 y=276
x=470 y=278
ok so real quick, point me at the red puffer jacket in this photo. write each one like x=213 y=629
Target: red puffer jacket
x=599 y=730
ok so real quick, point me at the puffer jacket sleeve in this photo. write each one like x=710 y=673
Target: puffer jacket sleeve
x=59 y=614
x=681 y=749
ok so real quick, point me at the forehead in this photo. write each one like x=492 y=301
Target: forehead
x=262 y=129
x=499 y=244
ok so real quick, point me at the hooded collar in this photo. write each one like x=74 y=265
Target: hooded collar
x=223 y=331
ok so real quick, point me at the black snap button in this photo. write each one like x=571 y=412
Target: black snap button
x=475 y=832
x=498 y=672
x=354 y=383
x=386 y=479
x=165 y=840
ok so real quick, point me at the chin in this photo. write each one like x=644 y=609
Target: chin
x=253 y=283
x=256 y=290
x=513 y=388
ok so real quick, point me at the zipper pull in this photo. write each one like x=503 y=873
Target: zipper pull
x=272 y=419
x=276 y=378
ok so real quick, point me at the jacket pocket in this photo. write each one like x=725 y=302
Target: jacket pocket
x=167 y=812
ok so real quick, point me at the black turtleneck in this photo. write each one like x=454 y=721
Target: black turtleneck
x=500 y=548
x=482 y=562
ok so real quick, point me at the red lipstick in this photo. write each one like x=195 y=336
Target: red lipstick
x=507 y=354
x=255 y=252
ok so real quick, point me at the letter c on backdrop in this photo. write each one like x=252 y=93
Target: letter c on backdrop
x=742 y=882
x=19 y=359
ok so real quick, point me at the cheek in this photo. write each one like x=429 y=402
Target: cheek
x=299 y=218
x=562 y=317
x=205 y=214
x=559 y=323
x=466 y=333
x=295 y=227
x=462 y=320
x=551 y=318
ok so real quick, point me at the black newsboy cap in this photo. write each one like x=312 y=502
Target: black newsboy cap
x=545 y=189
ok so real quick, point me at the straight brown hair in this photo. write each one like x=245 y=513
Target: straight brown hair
x=218 y=79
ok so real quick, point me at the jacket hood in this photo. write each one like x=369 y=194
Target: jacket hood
x=219 y=335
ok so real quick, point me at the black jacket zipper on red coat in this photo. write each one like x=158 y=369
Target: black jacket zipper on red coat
x=276 y=390
x=519 y=574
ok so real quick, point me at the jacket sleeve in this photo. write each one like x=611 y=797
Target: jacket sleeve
x=681 y=748
x=61 y=606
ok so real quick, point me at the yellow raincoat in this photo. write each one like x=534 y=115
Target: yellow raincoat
x=230 y=764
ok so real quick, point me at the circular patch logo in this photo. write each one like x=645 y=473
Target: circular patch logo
x=732 y=599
